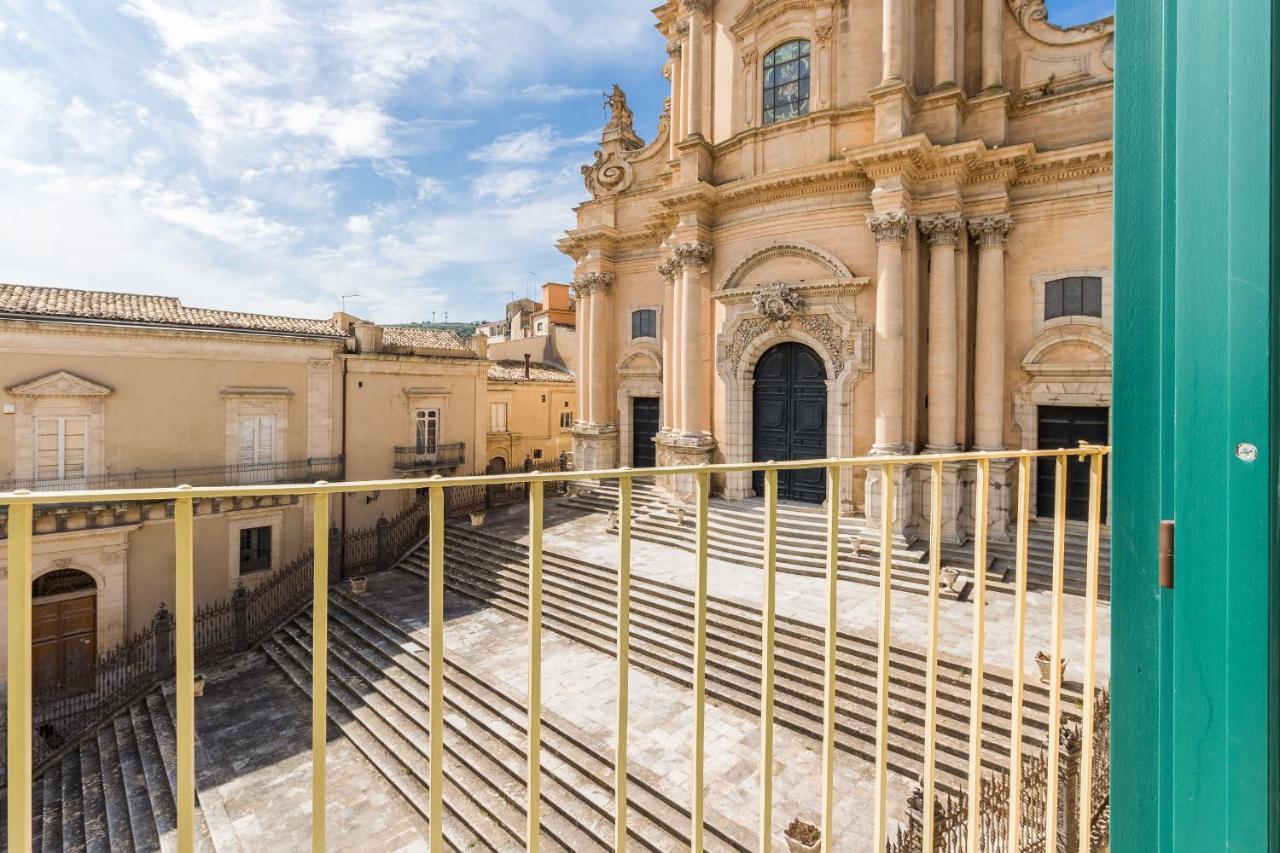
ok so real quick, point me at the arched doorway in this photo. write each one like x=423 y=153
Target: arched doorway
x=789 y=418
x=64 y=631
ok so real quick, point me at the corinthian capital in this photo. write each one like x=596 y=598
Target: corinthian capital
x=889 y=227
x=668 y=268
x=695 y=254
x=674 y=48
x=593 y=282
x=991 y=231
x=942 y=229
x=699 y=6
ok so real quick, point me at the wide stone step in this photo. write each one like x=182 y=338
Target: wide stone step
x=142 y=822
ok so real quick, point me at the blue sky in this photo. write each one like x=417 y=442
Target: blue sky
x=274 y=155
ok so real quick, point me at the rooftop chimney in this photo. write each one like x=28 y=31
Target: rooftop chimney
x=527 y=358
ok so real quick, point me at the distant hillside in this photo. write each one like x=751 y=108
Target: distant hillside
x=463 y=330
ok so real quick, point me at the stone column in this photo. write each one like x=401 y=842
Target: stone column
x=601 y=337
x=674 y=51
x=697 y=17
x=943 y=232
x=944 y=43
x=582 y=323
x=988 y=364
x=693 y=258
x=893 y=43
x=890 y=230
x=992 y=44
x=668 y=268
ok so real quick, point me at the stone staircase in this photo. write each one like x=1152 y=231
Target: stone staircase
x=379 y=696
x=116 y=790
x=579 y=600
x=735 y=533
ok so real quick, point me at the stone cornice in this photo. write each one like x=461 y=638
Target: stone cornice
x=68 y=326
x=827 y=287
x=577 y=242
x=809 y=180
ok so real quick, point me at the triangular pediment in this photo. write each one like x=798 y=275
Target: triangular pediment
x=60 y=384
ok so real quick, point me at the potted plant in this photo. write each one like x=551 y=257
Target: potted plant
x=477 y=518
x=359 y=584
x=198 y=687
x=803 y=837
x=1044 y=663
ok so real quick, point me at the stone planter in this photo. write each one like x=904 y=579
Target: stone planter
x=1046 y=672
x=359 y=584
x=803 y=837
x=950 y=577
x=198 y=686
x=477 y=519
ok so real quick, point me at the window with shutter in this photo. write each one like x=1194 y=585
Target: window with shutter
x=61 y=448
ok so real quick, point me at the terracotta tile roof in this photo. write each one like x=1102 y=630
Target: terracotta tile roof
x=512 y=370
x=16 y=299
x=431 y=338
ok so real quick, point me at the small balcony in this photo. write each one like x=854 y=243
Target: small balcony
x=439 y=458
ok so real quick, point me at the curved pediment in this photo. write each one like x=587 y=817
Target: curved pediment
x=60 y=384
x=1034 y=19
x=640 y=359
x=789 y=261
x=1066 y=348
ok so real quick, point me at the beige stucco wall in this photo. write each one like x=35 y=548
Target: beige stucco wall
x=533 y=421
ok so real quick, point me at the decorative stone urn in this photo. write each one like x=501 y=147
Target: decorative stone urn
x=359 y=585
x=803 y=837
x=950 y=577
x=613 y=522
x=679 y=511
x=477 y=518
x=198 y=685
x=1044 y=665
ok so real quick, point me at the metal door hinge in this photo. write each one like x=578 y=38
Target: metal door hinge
x=1166 y=554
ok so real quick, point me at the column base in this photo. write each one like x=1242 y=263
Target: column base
x=679 y=449
x=954 y=529
x=595 y=446
x=1000 y=499
x=904 y=510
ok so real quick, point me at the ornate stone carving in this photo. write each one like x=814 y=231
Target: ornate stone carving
x=991 y=231
x=821 y=327
x=62 y=563
x=695 y=254
x=668 y=268
x=60 y=384
x=593 y=282
x=682 y=29
x=942 y=229
x=827 y=333
x=607 y=175
x=611 y=172
x=699 y=6
x=822 y=33
x=737 y=277
x=664 y=118
x=776 y=302
x=749 y=57
x=620 y=115
x=674 y=48
x=889 y=227
x=1033 y=16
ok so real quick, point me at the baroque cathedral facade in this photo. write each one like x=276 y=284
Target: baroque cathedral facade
x=862 y=228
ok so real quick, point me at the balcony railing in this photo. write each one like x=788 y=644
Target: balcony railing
x=1020 y=811
x=444 y=456
x=328 y=468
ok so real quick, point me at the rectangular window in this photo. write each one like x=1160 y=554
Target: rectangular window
x=61 y=448
x=566 y=420
x=257 y=439
x=497 y=417
x=644 y=323
x=1078 y=296
x=426 y=430
x=537 y=453
x=255 y=550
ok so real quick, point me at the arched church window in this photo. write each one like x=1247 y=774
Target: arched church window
x=1077 y=296
x=644 y=323
x=786 y=81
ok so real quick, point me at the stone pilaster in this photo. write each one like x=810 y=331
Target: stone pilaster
x=582 y=319
x=890 y=230
x=992 y=44
x=990 y=232
x=595 y=438
x=698 y=10
x=693 y=258
x=668 y=269
x=943 y=232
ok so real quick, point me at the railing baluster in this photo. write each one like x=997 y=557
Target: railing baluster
x=1055 y=656
x=435 y=605
x=1019 y=652
x=1090 y=648
x=534 y=771
x=981 y=509
x=699 y=661
x=319 y=664
x=829 y=671
x=19 y=711
x=184 y=622
x=882 y=673
x=624 y=641
x=768 y=617
x=931 y=666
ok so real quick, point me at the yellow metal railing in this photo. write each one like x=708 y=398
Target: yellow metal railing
x=19 y=712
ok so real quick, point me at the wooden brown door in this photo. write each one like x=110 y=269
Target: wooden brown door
x=64 y=643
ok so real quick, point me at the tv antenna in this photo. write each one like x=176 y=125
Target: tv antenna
x=347 y=296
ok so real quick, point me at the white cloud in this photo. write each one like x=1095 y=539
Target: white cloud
x=527 y=146
x=551 y=93
x=509 y=184
x=360 y=225
x=430 y=189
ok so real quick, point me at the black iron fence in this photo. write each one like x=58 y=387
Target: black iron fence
x=290 y=471
x=83 y=700
x=421 y=459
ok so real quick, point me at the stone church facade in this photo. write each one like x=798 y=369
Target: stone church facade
x=861 y=228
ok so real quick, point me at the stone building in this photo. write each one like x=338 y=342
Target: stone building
x=109 y=390
x=861 y=228
x=531 y=413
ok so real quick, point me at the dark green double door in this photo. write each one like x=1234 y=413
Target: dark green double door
x=789 y=419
